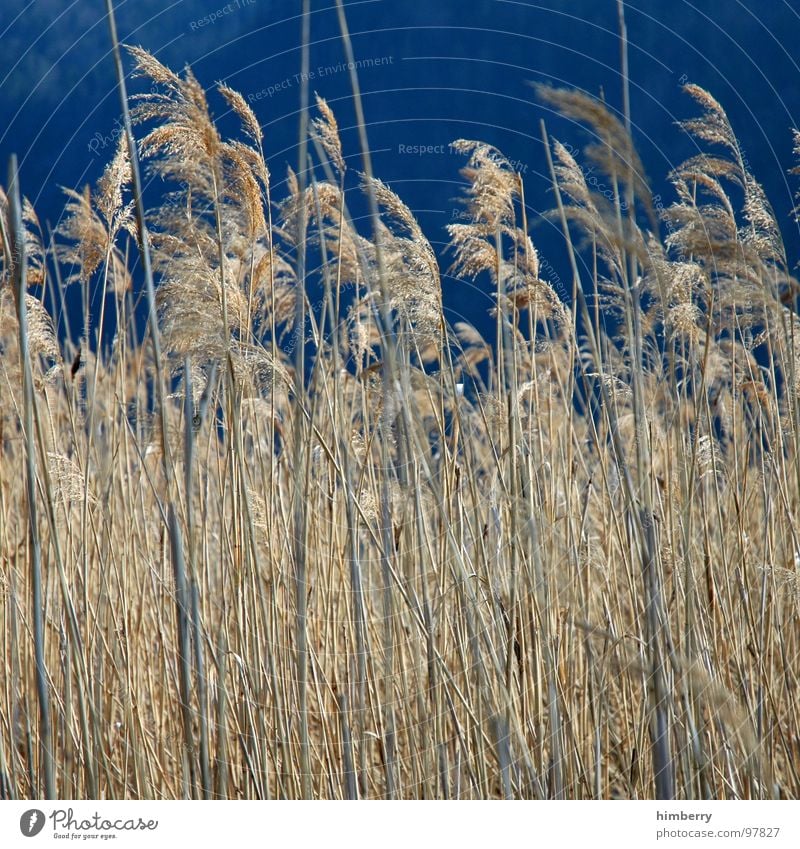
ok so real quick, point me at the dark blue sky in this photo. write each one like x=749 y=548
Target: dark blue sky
x=443 y=69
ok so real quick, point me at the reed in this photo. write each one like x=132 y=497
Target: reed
x=279 y=548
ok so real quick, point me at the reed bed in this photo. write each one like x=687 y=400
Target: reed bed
x=304 y=538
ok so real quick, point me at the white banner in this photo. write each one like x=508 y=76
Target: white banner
x=410 y=825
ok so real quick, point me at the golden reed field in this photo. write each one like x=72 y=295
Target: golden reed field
x=299 y=536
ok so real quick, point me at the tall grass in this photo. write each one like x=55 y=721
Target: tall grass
x=344 y=549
